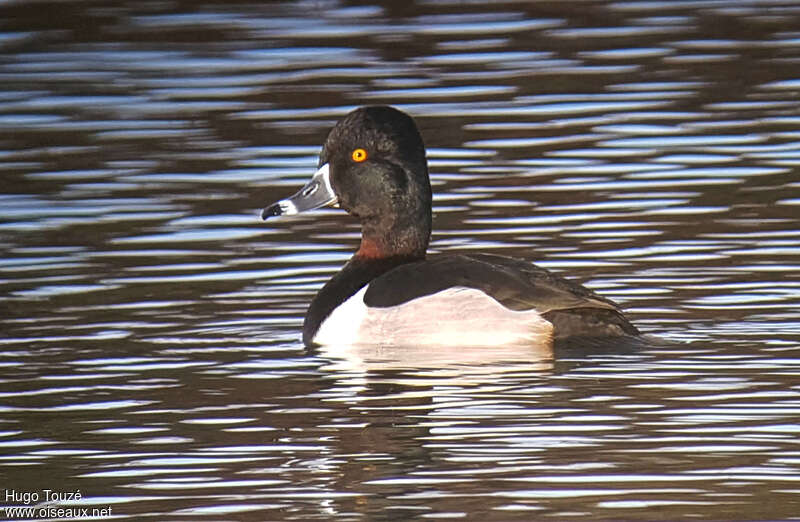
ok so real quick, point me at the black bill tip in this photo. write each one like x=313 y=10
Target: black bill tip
x=270 y=211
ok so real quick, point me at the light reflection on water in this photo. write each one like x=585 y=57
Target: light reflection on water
x=149 y=345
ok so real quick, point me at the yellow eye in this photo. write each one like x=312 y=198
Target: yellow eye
x=359 y=155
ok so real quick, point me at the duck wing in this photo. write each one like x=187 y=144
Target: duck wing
x=516 y=284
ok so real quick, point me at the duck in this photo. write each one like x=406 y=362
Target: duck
x=373 y=165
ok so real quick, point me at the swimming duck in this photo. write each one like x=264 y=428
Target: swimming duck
x=373 y=166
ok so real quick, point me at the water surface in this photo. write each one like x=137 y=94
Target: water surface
x=149 y=336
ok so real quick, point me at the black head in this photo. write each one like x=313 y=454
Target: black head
x=373 y=165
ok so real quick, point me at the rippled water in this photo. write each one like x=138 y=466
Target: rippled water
x=149 y=340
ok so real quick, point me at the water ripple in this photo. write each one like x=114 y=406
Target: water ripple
x=150 y=321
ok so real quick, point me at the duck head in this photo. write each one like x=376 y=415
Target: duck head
x=373 y=166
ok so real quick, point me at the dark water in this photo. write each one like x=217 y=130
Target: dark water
x=150 y=355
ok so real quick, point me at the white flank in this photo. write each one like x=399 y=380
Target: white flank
x=457 y=316
x=341 y=327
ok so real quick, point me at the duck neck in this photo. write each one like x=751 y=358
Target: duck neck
x=396 y=234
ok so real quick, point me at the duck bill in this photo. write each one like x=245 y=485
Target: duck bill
x=316 y=194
